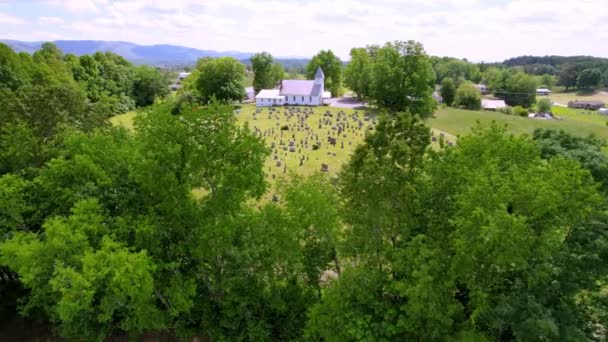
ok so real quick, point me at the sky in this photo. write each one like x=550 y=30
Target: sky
x=479 y=30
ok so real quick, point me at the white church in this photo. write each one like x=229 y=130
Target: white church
x=295 y=92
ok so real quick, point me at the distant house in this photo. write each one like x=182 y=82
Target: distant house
x=295 y=92
x=594 y=105
x=483 y=89
x=183 y=75
x=488 y=104
x=543 y=92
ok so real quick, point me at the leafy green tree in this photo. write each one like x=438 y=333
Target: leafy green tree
x=357 y=75
x=148 y=85
x=520 y=111
x=465 y=242
x=277 y=73
x=589 y=78
x=544 y=106
x=467 y=96
x=261 y=64
x=222 y=79
x=588 y=151
x=547 y=81
x=402 y=78
x=75 y=269
x=448 y=91
x=13 y=205
x=520 y=90
x=332 y=69
x=568 y=76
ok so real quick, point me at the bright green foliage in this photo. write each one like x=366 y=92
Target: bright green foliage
x=519 y=90
x=13 y=205
x=222 y=79
x=332 y=69
x=482 y=241
x=589 y=78
x=277 y=73
x=402 y=78
x=544 y=106
x=547 y=81
x=519 y=111
x=261 y=63
x=456 y=69
x=148 y=85
x=81 y=278
x=467 y=96
x=357 y=74
x=448 y=91
x=310 y=206
x=568 y=76
x=588 y=151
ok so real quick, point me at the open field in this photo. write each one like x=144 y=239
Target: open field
x=564 y=98
x=307 y=126
x=459 y=122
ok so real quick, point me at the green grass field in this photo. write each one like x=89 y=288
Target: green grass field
x=451 y=122
x=305 y=132
x=565 y=97
x=459 y=122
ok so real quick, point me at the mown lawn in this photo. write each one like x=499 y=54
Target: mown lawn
x=459 y=122
x=268 y=125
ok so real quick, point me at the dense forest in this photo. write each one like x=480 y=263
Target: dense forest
x=163 y=230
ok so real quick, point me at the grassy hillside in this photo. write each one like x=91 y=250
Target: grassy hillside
x=459 y=122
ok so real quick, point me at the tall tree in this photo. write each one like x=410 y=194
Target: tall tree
x=222 y=79
x=332 y=69
x=357 y=74
x=148 y=85
x=402 y=78
x=277 y=73
x=467 y=96
x=589 y=78
x=448 y=91
x=261 y=64
x=568 y=75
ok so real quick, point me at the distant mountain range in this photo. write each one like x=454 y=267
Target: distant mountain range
x=141 y=54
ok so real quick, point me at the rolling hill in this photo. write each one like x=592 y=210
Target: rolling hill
x=141 y=54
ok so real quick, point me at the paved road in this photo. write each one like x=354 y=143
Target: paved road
x=345 y=102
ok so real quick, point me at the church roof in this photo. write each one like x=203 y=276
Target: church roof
x=300 y=88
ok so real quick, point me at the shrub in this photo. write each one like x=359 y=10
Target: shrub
x=468 y=96
x=543 y=106
x=520 y=111
x=505 y=110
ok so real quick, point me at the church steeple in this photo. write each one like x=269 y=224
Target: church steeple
x=319 y=76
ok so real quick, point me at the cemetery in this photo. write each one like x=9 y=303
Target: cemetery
x=306 y=140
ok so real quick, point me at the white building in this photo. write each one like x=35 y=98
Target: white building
x=543 y=91
x=295 y=92
x=183 y=75
x=488 y=104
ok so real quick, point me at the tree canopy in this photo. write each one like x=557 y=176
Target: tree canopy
x=221 y=79
x=332 y=69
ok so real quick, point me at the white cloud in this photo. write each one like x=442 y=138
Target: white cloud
x=78 y=6
x=51 y=21
x=7 y=19
x=475 y=29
